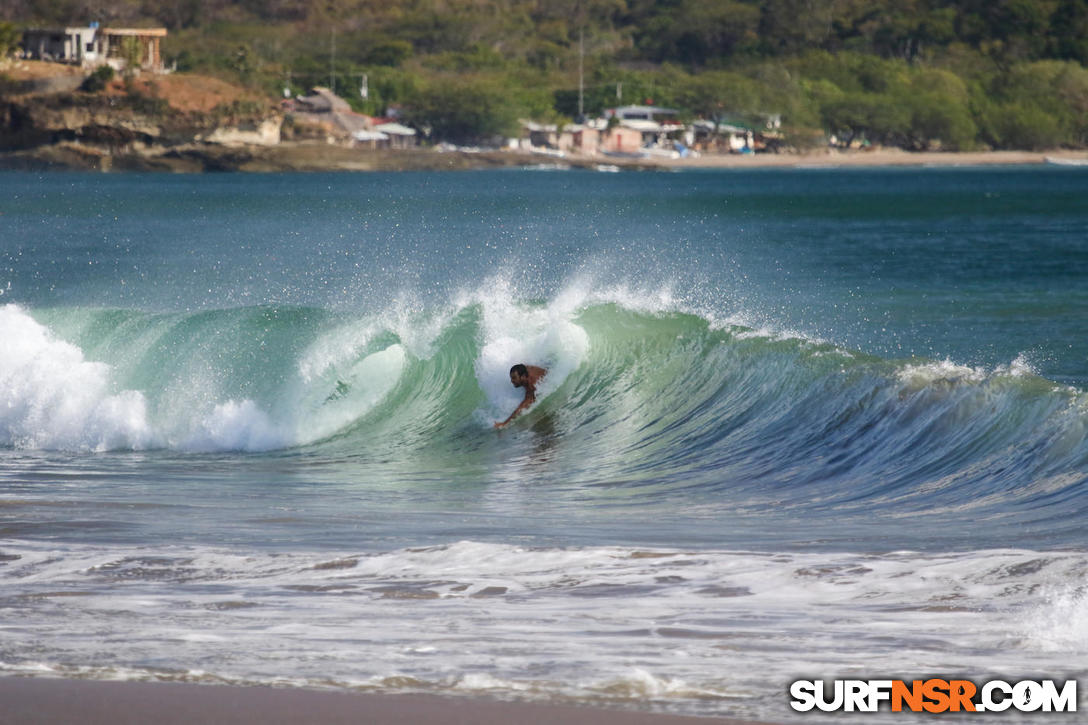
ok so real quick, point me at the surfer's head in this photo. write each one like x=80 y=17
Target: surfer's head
x=519 y=375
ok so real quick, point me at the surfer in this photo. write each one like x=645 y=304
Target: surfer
x=524 y=376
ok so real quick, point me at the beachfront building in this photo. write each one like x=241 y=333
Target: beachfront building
x=723 y=137
x=641 y=113
x=643 y=131
x=539 y=136
x=660 y=130
x=398 y=135
x=321 y=114
x=329 y=116
x=582 y=139
x=321 y=100
x=92 y=46
x=622 y=141
x=556 y=140
x=385 y=136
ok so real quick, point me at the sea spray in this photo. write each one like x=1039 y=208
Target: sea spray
x=51 y=397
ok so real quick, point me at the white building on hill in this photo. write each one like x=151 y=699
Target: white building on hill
x=93 y=46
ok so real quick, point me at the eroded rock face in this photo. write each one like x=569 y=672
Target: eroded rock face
x=120 y=122
x=116 y=128
x=260 y=133
x=30 y=121
x=17 y=128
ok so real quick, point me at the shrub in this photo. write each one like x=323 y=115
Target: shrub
x=1020 y=126
x=98 y=79
x=9 y=38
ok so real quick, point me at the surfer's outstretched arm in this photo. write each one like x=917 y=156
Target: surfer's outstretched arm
x=530 y=398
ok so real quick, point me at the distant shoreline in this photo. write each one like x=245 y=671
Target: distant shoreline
x=303 y=157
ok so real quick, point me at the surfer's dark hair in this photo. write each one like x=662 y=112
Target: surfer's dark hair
x=520 y=369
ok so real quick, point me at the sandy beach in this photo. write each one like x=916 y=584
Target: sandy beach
x=42 y=701
x=881 y=157
x=311 y=157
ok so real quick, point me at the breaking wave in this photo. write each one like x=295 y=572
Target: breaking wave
x=640 y=393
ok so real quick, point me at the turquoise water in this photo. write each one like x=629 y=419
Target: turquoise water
x=833 y=412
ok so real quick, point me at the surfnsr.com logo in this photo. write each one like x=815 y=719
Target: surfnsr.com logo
x=933 y=695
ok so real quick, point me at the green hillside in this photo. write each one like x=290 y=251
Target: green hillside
x=911 y=73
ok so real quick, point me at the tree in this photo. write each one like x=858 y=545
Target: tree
x=1020 y=126
x=9 y=39
x=390 y=52
x=1069 y=31
x=875 y=117
x=698 y=32
x=790 y=26
x=934 y=117
x=464 y=110
x=716 y=93
x=132 y=54
x=939 y=103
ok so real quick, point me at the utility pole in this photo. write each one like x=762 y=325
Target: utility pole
x=332 y=59
x=581 y=73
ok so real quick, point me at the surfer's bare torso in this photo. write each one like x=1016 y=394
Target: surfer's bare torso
x=524 y=376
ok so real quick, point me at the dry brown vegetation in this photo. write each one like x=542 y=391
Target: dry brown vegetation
x=29 y=70
x=190 y=91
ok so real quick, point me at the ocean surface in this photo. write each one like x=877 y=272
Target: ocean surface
x=804 y=423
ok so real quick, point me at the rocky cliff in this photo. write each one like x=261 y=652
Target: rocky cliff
x=143 y=123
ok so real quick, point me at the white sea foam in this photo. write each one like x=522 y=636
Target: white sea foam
x=1060 y=622
x=926 y=373
x=513 y=333
x=711 y=632
x=236 y=426
x=1020 y=366
x=921 y=374
x=53 y=398
x=485 y=681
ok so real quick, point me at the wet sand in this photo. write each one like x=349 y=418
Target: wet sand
x=42 y=701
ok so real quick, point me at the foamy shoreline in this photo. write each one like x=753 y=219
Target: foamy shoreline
x=42 y=701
